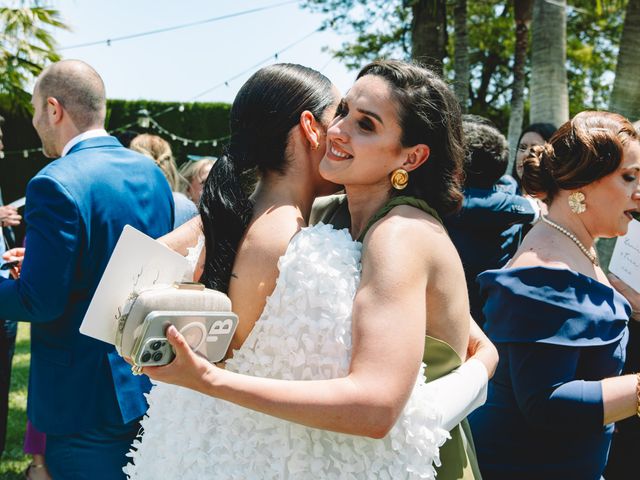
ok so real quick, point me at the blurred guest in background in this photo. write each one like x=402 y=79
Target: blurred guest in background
x=9 y=217
x=534 y=134
x=560 y=328
x=195 y=172
x=487 y=230
x=159 y=150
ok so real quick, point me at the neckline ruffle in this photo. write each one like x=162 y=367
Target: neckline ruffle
x=551 y=305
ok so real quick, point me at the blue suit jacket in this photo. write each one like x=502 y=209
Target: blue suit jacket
x=487 y=232
x=76 y=209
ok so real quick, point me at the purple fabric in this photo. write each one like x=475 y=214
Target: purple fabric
x=34 y=441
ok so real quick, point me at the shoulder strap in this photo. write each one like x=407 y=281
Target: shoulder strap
x=394 y=202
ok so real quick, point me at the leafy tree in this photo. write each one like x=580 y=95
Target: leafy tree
x=625 y=98
x=461 y=53
x=549 y=92
x=593 y=36
x=387 y=28
x=523 y=12
x=26 y=46
x=383 y=28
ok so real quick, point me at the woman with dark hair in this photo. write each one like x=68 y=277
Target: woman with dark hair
x=533 y=135
x=559 y=326
x=330 y=394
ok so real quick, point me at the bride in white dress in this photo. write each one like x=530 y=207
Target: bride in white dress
x=337 y=398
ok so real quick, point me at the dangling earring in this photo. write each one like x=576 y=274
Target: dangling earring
x=576 y=202
x=399 y=178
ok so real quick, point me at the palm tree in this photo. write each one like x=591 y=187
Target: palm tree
x=549 y=90
x=461 y=54
x=429 y=32
x=523 y=10
x=625 y=97
x=26 y=46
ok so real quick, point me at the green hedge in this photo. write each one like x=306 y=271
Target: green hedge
x=197 y=121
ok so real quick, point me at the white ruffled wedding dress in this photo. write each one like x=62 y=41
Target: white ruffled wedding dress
x=304 y=333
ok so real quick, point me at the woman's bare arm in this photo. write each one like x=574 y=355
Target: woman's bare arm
x=183 y=237
x=388 y=341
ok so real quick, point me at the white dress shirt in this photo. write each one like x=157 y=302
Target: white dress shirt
x=98 y=132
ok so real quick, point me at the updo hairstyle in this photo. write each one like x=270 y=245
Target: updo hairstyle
x=159 y=150
x=585 y=149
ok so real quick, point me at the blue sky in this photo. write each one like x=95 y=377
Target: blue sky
x=180 y=64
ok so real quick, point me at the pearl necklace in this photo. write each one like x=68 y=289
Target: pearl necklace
x=591 y=256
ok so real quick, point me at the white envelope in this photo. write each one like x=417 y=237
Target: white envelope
x=625 y=259
x=18 y=203
x=137 y=262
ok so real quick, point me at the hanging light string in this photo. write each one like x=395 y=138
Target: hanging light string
x=109 y=41
x=25 y=152
x=226 y=82
x=185 y=141
x=189 y=141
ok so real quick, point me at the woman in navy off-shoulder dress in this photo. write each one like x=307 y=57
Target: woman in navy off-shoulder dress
x=559 y=326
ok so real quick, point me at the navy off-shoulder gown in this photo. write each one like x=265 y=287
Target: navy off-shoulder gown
x=558 y=333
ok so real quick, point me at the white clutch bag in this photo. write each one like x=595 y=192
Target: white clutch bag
x=202 y=315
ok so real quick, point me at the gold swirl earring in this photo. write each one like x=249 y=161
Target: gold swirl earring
x=576 y=202
x=399 y=178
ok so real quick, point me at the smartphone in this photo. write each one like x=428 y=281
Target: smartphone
x=207 y=333
x=9 y=265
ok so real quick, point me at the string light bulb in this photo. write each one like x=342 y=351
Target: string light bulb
x=144 y=119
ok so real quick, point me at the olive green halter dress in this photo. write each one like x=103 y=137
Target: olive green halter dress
x=458 y=454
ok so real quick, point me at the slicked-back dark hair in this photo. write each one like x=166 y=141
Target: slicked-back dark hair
x=429 y=114
x=266 y=109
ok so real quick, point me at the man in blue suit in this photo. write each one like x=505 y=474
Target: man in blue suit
x=81 y=393
x=488 y=228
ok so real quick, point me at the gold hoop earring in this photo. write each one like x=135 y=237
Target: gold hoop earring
x=315 y=146
x=576 y=202
x=399 y=178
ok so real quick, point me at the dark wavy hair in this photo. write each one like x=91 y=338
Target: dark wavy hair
x=266 y=109
x=487 y=153
x=585 y=149
x=429 y=113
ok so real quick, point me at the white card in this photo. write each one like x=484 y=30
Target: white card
x=137 y=262
x=625 y=259
x=18 y=203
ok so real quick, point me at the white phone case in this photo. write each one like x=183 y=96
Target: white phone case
x=207 y=333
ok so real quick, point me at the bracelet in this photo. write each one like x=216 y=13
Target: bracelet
x=638 y=394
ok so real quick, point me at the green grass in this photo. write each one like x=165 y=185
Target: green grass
x=14 y=461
